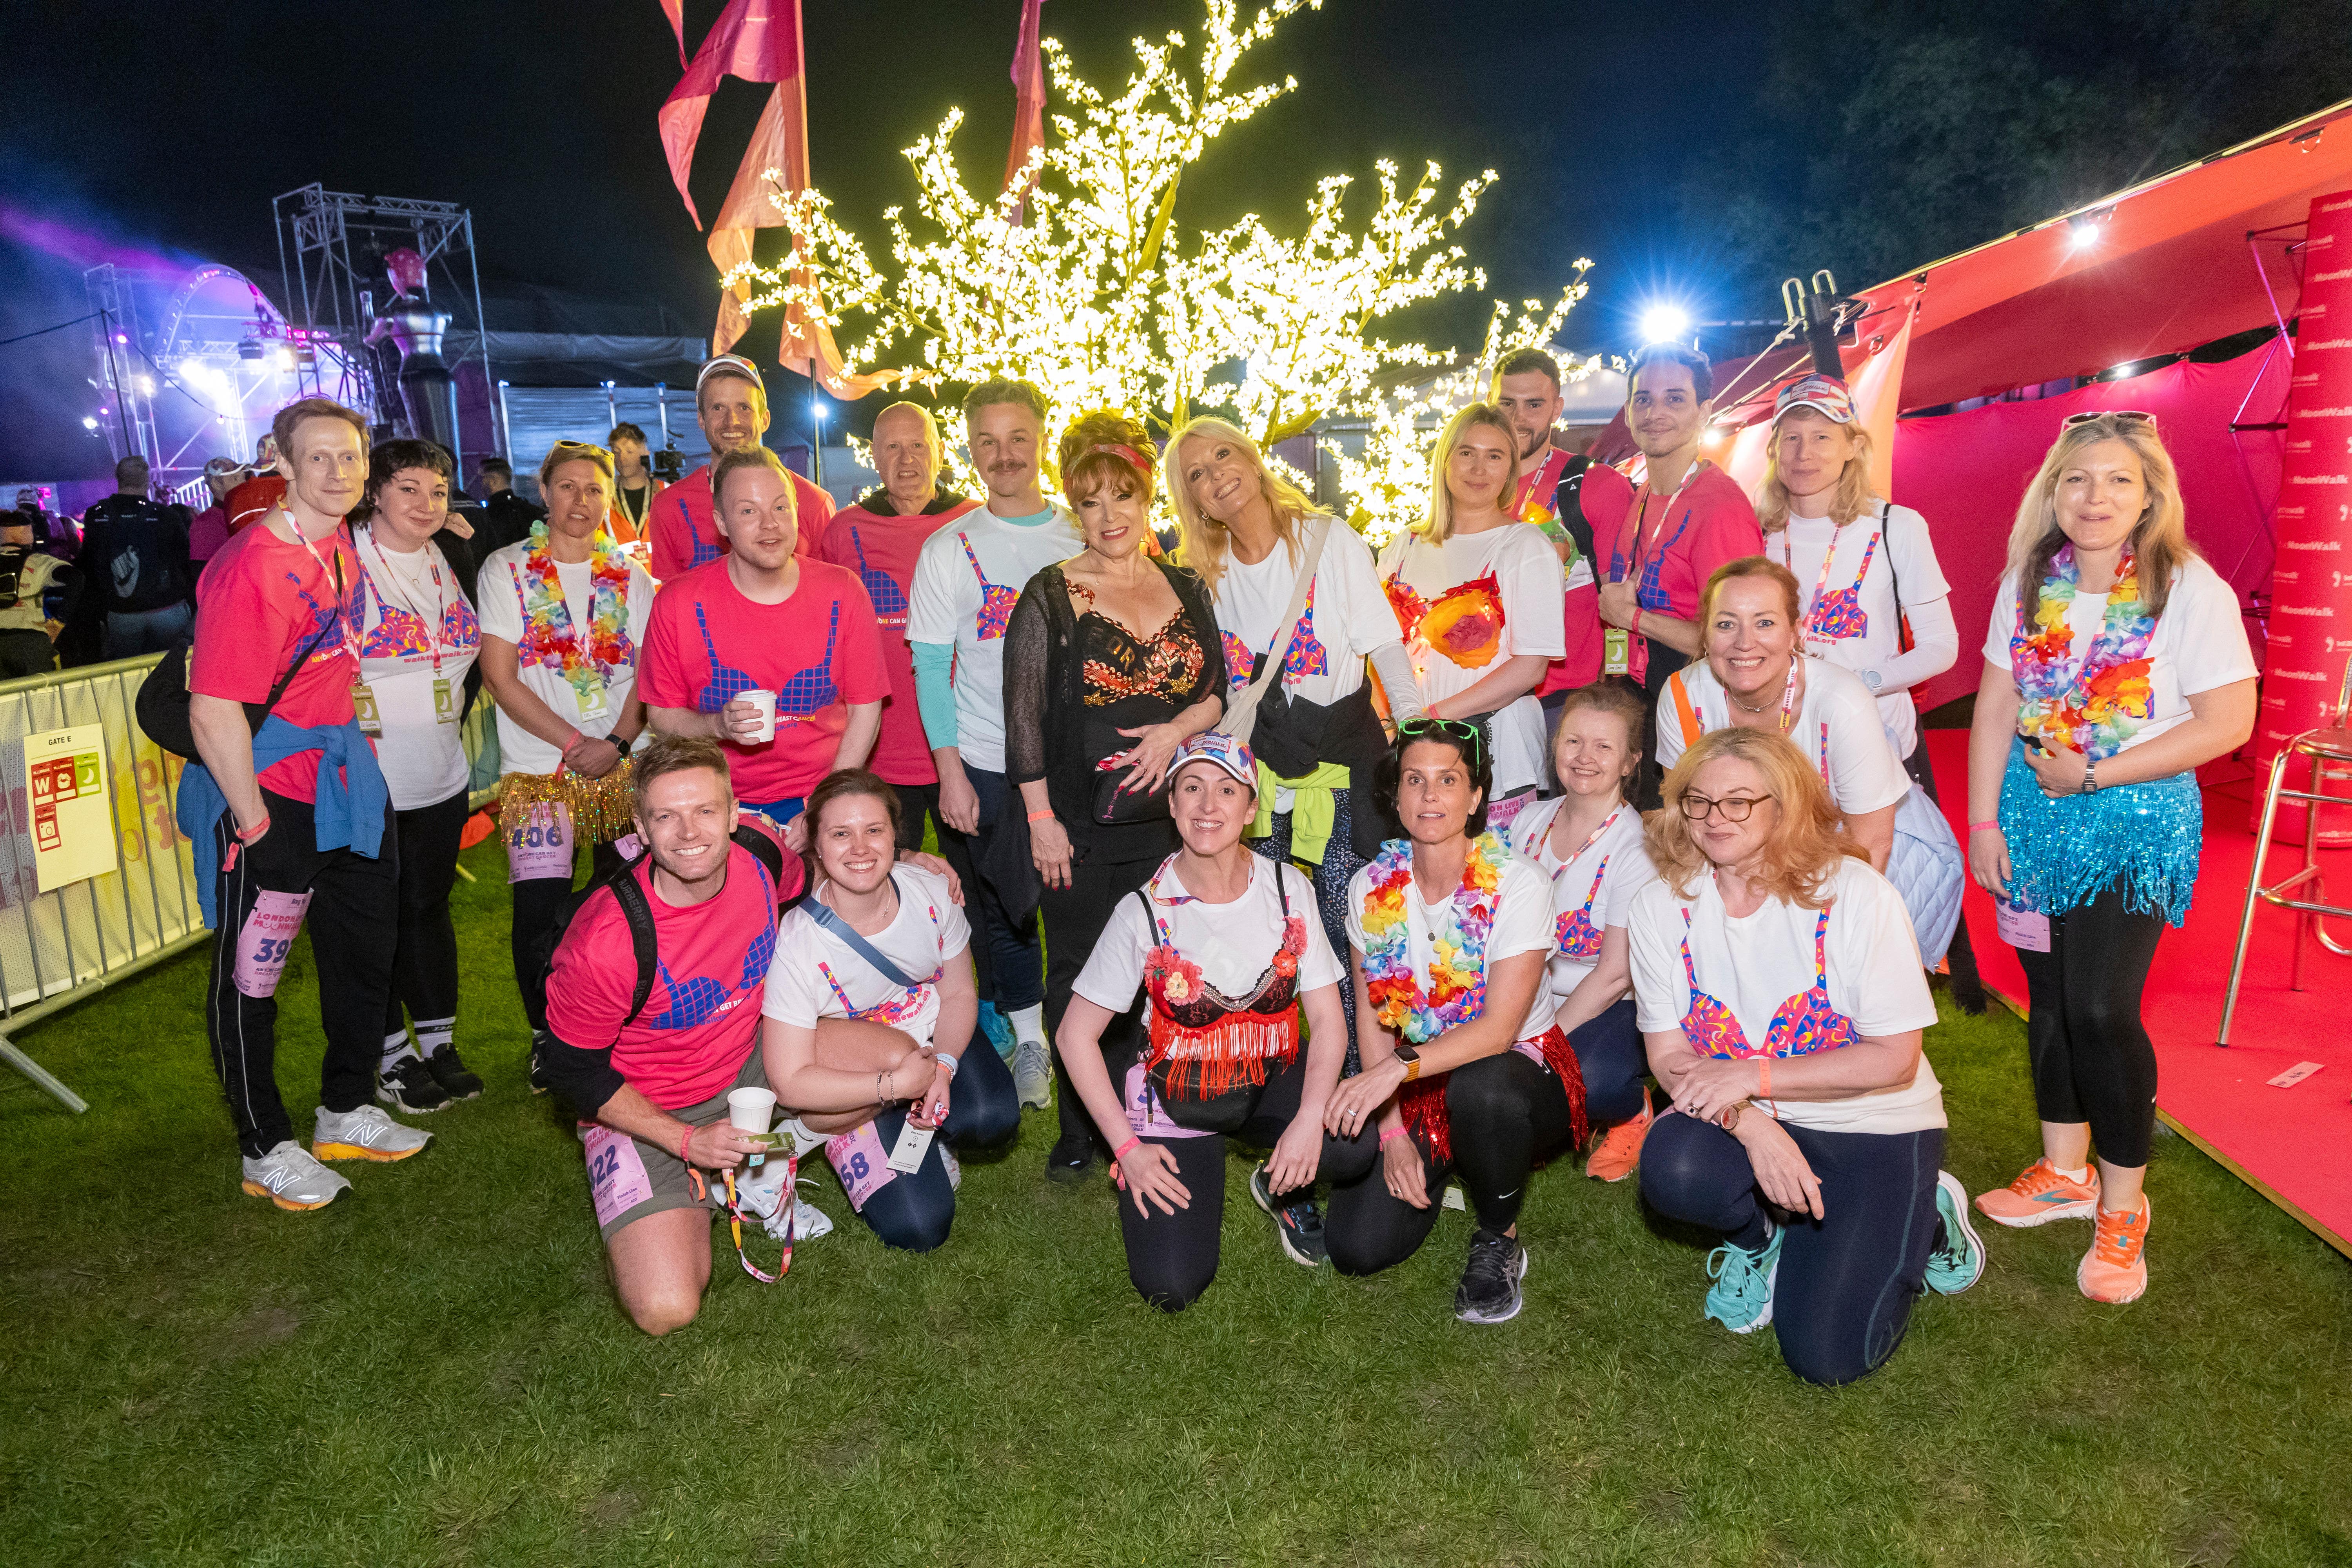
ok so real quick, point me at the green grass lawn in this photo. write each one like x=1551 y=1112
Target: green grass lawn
x=434 y=1370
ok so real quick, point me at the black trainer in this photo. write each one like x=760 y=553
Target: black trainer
x=1298 y=1225
x=1072 y=1160
x=407 y=1086
x=540 y=1082
x=449 y=1070
x=1490 y=1291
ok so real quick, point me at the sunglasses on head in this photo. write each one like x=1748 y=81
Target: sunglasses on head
x=1451 y=729
x=2121 y=416
x=582 y=446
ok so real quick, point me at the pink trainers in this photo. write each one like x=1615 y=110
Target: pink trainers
x=2039 y=1195
x=2116 y=1269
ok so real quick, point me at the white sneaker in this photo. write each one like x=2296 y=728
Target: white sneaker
x=1032 y=1074
x=289 y=1178
x=809 y=1221
x=764 y=1196
x=366 y=1134
x=955 y=1168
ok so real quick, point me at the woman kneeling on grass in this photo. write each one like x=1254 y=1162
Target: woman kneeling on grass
x=1464 y=1068
x=870 y=1003
x=1769 y=949
x=1228 y=946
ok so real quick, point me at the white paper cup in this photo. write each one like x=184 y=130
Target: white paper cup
x=765 y=701
x=751 y=1109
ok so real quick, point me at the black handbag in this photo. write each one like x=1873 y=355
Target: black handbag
x=161 y=705
x=1115 y=805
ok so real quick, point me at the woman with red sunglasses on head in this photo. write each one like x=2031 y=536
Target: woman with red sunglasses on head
x=1781 y=1001
x=2116 y=665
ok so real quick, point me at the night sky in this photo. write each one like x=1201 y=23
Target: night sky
x=164 y=128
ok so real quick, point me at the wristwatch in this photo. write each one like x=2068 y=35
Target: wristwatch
x=1411 y=1060
x=1729 y=1120
x=619 y=744
x=2090 y=775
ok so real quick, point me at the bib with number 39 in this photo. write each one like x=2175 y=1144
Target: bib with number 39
x=266 y=939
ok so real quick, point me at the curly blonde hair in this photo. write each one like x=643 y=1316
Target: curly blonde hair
x=1205 y=538
x=1802 y=856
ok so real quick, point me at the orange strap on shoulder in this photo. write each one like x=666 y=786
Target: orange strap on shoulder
x=1683 y=708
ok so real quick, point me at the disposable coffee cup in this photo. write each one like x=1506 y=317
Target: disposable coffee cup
x=765 y=701
x=751 y=1109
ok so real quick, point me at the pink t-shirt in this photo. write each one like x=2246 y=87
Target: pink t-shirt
x=258 y=603
x=1669 y=546
x=819 y=651
x=882 y=551
x=702 y=1016
x=678 y=522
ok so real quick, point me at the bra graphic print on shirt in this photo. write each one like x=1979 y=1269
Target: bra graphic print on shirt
x=1805 y=1023
x=889 y=601
x=996 y=601
x=809 y=692
x=910 y=1000
x=1577 y=936
x=1466 y=624
x=1303 y=658
x=698 y=998
x=401 y=633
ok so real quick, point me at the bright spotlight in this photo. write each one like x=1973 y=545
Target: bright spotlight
x=1663 y=323
x=87 y=423
x=2085 y=230
x=817 y=410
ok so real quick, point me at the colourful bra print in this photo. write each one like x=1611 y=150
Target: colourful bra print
x=1805 y=1023
x=1466 y=625
x=1305 y=657
x=1839 y=614
x=1579 y=938
x=894 y=1012
x=996 y=602
x=889 y=599
x=399 y=634
x=1167 y=663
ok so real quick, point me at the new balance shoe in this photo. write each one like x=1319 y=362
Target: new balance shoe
x=449 y=1070
x=1958 y=1261
x=1742 y=1297
x=2116 y=1269
x=366 y=1134
x=1619 y=1153
x=1490 y=1291
x=288 y=1177
x=2040 y=1194
x=1298 y=1226
x=408 y=1085
x=1032 y=1074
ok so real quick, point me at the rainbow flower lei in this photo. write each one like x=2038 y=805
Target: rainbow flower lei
x=1458 y=990
x=549 y=637
x=2100 y=705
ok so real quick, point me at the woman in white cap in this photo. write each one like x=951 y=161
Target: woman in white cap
x=1228 y=947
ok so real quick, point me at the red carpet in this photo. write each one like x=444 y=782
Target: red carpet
x=2293 y=1145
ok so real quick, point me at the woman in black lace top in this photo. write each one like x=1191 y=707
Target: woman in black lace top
x=1110 y=662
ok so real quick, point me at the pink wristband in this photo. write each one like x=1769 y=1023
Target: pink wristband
x=1392 y=1132
x=1121 y=1153
x=684 y=1144
x=1993 y=826
x=1764 y=1077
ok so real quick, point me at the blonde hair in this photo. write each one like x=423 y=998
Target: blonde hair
x=1205 y=538
x=753 y=457
x=2159 y=541
x=1802 y=854
x=1437 y=524
x=1849 y=500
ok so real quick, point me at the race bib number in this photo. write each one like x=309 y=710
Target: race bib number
x=1146 y=1116
x=2023 y=929
x=267 y=937
x=541 y=847
x=857 y=1158
x=616 y=1172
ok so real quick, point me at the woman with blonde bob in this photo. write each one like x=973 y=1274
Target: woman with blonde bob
x=1478 y=596
x=1782 y=1002
x=1248 y=532
x=2116 y=663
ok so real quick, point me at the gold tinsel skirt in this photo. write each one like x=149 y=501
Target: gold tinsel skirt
x=602 y=809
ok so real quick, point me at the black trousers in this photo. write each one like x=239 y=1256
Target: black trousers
x=918 y=802
x=537 y=901
x=2093 y=1060
x=1173 y=1258
x=1009 y=973
x=1505 y=1113
x=425 y=952
x=1846 y=1284
x=352 y=916
x=1075 y=917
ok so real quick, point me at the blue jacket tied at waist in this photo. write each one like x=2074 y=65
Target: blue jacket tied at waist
x=349 y=813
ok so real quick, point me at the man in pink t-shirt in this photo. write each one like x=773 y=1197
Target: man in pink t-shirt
x=774 y=654
x=730 y=404
x=1572 y=499
x=290 y=817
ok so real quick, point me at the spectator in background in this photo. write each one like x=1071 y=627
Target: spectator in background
x=260 y=492
x=633 y=485
x=209 y=530
x=134 y=552
x=37 y=597
x=52 y=533
x=730 y=403
x=508 y=517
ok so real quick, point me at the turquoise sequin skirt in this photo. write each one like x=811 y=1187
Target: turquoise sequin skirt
x=2142 y=840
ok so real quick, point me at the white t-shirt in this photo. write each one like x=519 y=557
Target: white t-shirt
x=501 y=586
x=1232 y=944
x=2201 y=624
x=1757 y=962
x=1903 y=555
x=1522 y=915
x=1837 y=727
x=928 y=932
x=1608 y=871
x=414 y=608
x=1526 y=579
x=1346 y=618
x=948 y=604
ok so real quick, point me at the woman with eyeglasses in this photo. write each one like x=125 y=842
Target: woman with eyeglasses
x=1757 y=675
x=1464 y=1070
x=1781 y=1001
x=563 y=613
x=1111 y=661
x=2116 y=665
x=1588 y=839
x=1479 y=598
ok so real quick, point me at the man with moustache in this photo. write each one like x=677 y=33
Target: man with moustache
x=967 y=578
x=730 y=404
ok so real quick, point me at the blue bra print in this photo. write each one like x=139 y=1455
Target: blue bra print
x=727 y=682
x=809 y=692
x=889 y=601
x=696 y=999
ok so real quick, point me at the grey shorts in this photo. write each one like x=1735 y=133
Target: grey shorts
x=629 y=1179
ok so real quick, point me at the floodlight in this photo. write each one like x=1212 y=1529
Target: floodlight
x=1663 y=323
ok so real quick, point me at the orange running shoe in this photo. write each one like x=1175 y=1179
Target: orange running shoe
x=2039 y=1195
x=2116 y=1269
x=1619 y=1152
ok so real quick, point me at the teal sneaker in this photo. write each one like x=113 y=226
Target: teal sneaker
x=1958 y=1259
x=1742 y=1297
x=997 y=1028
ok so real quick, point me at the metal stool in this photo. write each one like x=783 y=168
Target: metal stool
x=2331 y=745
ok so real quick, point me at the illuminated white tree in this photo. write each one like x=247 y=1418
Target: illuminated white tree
x=1081 y=282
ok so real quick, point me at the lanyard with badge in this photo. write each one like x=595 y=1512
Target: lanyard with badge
x=445 y=697
x=363 y=708
x=1617 y=642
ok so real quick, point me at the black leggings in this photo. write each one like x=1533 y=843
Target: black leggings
x=537 y=901
x=1340 y=862
x=1843 y=1293
x=917 y=804
x=1505 y=1113
x=1173 y=1258
x=1608 y=1048
x=425 y=955
x=916 y=1212
x=1074 y=916
x=2093 y=1060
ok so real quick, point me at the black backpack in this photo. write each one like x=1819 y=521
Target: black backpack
x=630 y=894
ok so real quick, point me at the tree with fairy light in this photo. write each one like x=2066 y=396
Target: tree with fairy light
x=1076 y=277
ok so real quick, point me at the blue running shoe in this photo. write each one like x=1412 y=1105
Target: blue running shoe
x=1958 y=1259
x=1742 y=1297
x=998 y=1028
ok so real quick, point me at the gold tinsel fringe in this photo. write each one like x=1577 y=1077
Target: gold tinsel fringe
x=602 y=809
